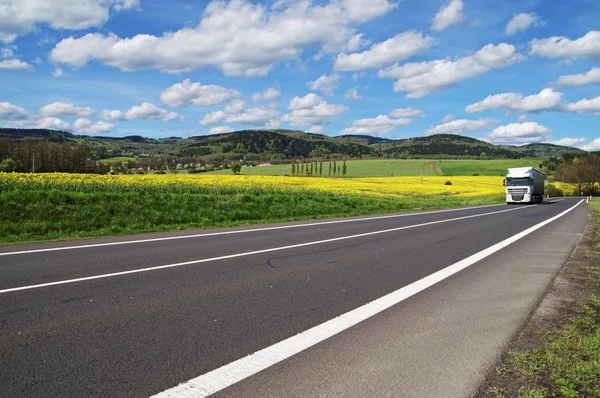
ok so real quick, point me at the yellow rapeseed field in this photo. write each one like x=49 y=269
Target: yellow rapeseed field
x=462 y=187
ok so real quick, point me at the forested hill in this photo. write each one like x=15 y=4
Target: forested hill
x=266 y=145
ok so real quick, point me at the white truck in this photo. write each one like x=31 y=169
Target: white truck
x=524 y=185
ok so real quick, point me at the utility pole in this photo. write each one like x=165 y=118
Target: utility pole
x=33 y=167
x=421 y=174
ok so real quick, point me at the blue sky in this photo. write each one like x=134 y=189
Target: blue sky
x=517 y=72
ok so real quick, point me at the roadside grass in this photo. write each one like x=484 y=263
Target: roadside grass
x=403 y=167
x=565 y=361
x=30 y=215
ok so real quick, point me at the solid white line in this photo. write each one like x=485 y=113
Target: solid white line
x=238 y=231
x=227 y=375
x=205 y=260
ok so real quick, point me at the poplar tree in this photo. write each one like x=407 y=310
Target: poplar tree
x=344 y=168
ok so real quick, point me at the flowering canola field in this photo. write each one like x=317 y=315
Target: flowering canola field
x=462 y=187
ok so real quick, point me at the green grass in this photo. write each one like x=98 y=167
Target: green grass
x=115 y=159
x=51 y=214
x=484 y=167
x=405 y=167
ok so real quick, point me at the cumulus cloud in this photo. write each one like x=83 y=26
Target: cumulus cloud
x=220 y=130
x=571 y=142
x=547 y=99
x=236 y=112
x=519 y=133
x=83 y=125
x=587 y=46
x=112 y=115
x=325 y=84
x=15 y=64
x=584 y=106
x=58 y=72
x=12 y=113
x=460 y=126
x=376 y=126
x=353 y=94
x=407 y=112
x=581 y=79
x=269 y=94
x=523 y=21
x=57 y=109
x=522 y=118
x=312 y=110
x=51 y=123
x=7 y=52
x=449 y=14
x=239 y=37
x=147 y=111
x=316 y=129
x=424 y=78
x=18 y=17
x=592 y=146
x=399 y=47
x=187 y=93
x=447 y=118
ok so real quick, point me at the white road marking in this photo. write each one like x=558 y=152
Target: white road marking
x=238 y=231
x=227 y=375
x=205 y=260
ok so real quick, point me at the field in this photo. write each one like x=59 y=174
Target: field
x=59 y=206
x=404 y=167
x=118 y=159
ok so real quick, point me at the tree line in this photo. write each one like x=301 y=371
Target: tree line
x=583 y=170
x=315 y=168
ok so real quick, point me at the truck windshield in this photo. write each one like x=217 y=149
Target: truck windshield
x=517 y=182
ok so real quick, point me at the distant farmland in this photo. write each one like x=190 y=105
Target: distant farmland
x=405 y=167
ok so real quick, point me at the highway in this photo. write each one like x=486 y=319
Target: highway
x=410 y=304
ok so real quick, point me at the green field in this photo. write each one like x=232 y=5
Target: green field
x=118 y=159
x=405 y=167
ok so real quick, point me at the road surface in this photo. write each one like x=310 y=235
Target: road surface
x=413 y=304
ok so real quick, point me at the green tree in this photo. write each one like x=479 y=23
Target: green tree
x=329 y=168
x=236 y=168
x=293 y=168
x=311 y=168
x=321 y=168
x=344 y=168
x=334 y=168
x=9 y=165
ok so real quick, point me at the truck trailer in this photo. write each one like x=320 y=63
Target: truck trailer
x=524 y=185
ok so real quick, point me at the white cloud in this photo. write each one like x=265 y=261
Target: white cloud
x=355 y=43
x=147 y=111
x=269 y=94
x=407 y=112
x=58 y=72
x=587 y=46
x=87 y=126
x=399 y=47
x=590 y=77
x=592 y=146
x=546 y=100
x=18 y=17
x=50 y=123
x=449 y=117
x=12 y=113
x=237 y=36
x=187 y=93
x=460 y=126
x=377 y=126
x=572 y=142
x=15 y=64
x=522 y=118
x=325 y=84
x=449 y=14
x=316 y=129
x=312 y=110
x=353 y=94
x=220 y=130
x=112 y=115
x=519 y=133
x=7 y=53
x=235 y=112
x=584 y=106
x=65 y=109
x=523 y=21
x=424 y=78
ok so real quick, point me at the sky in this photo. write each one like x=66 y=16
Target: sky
x=511 y=72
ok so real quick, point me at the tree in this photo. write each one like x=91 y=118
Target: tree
x=320 y=168
x=344 y=168
x=293 y=167
x=334 y=168
x=9 y=165
x=329 y=168
x=236 y=168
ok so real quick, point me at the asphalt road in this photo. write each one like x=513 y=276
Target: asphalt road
x=135 y=319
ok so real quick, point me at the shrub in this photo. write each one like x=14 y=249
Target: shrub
x=448 y=183
x=236 y=168
x=554 y=191
x=160 y=172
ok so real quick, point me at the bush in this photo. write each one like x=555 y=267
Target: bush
x=448 y=183
x=236 y=168
x=195 y=171
x=554 y=191
x=159 y=172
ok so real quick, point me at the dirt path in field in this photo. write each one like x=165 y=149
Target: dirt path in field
x=435 y=167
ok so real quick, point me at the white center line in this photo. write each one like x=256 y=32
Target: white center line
x=205 y=260
x=227 y=375
x=243 y=231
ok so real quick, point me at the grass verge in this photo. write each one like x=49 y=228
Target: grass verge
x=558 y=353
x=36 y=215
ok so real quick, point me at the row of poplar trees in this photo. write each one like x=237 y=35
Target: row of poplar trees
x=315 y=168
